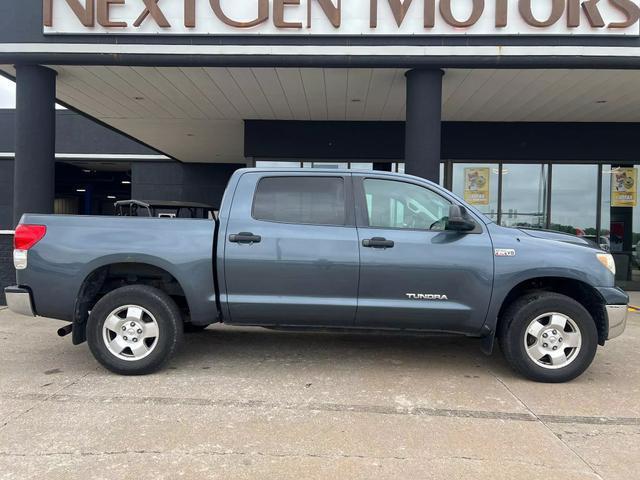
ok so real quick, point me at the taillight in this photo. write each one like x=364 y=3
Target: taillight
x=26 y=236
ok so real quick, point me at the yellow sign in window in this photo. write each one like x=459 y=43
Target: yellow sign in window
x=624 y=187
x=476 y=185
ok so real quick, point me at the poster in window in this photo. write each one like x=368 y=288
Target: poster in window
x=476 y=186
x=624 y=187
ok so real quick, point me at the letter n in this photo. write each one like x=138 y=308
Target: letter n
x=332 y=12
x=85 y=14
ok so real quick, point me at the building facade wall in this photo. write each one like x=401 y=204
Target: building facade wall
x=6 y=194
x=7 y=273
x=180 y=181
x=509 y=141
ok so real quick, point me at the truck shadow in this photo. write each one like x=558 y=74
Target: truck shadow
x=258 y=346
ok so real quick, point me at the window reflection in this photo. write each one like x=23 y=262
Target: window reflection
x=524 y=195
x=574 y=198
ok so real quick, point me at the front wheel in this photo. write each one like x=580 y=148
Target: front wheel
x=548 y=337
x=134 y=330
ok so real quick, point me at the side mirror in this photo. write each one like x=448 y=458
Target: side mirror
x=459 y=220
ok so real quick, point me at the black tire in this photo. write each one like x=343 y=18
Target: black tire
x=522 y=312
x=157 y=303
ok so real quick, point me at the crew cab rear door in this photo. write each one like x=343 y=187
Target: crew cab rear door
x=291 y=250
x=413 y=273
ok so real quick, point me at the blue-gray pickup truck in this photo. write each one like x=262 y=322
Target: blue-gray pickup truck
x=321 y=249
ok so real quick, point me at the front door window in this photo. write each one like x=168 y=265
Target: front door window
x=393 y=204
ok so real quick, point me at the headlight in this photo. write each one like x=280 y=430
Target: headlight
x=606 y=259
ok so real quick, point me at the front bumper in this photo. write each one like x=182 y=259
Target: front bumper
x=19 y=301
x=617 y=316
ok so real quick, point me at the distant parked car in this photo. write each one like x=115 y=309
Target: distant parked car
x=164 y=209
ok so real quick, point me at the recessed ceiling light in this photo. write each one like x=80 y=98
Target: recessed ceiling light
x=81 y=190
x=86 y=171
x=111 y=197
x=126 y=182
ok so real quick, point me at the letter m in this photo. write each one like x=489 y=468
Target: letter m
x=399 y=9
x=84 y=13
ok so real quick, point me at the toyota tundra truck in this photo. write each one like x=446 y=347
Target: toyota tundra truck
x=322 y=249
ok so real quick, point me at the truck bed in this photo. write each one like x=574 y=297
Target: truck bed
x=74 y=247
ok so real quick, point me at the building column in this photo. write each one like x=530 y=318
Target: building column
x=34 y=168
x=423 y=123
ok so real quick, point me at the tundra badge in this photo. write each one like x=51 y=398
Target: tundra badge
x=426 y=296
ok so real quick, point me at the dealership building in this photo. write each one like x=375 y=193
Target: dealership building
x=528 y=109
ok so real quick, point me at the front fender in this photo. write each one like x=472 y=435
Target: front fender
x=537 y=258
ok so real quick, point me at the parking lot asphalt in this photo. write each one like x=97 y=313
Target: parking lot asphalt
x=255 y=404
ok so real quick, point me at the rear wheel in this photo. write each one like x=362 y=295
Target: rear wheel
x=548 y=337
x=134 y=330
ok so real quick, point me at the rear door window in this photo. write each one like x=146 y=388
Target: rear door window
x=303 y=200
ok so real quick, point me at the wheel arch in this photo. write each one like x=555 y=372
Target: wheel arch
x=580 y=291
x=109 y=276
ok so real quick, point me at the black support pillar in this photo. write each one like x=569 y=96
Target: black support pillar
x=34 y=168
x=422 y=135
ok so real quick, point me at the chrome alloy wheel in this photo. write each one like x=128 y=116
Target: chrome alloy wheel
x=552 y=340
x=130 y=332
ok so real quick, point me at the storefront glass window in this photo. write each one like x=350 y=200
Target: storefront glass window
x=524 y=195
x=478 y=184
x=267 y=164
x=362 y=166
x=574 y=198
x=621 y=221
x=336 y=165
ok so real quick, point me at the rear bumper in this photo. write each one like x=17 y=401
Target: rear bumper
x=19 y=301
x=617 y=315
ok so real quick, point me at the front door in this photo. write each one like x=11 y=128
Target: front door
x=413 y=273
x=291 y=251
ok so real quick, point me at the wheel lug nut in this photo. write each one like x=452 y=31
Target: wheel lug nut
x=139 y=330
x=124 y=328
x=132 y=324
x=545 y=345
x=555 y=348
x=555 y=332
x=125 y=337
x=135 y=340
x=545 y=335
x=560 y=340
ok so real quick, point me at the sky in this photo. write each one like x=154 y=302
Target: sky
x=7 y=93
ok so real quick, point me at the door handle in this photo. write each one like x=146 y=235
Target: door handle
x=245 y=237
x=378 y=242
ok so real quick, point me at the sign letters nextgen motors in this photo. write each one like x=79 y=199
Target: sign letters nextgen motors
x=343 y=17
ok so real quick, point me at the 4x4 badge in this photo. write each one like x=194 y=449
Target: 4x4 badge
x=505 y=252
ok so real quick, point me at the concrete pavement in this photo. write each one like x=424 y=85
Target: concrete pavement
x=251 y=403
